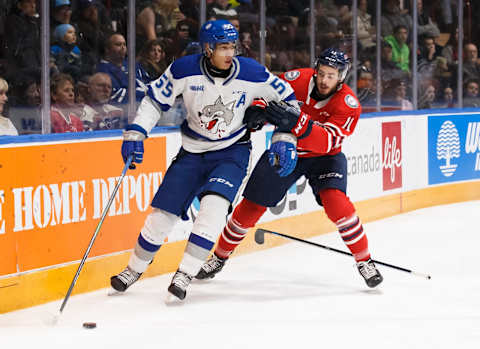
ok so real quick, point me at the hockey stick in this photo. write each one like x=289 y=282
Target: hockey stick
x=260 y=239
x=92 y=240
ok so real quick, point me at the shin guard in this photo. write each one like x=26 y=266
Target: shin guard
x=245 y=216
x=341 y=211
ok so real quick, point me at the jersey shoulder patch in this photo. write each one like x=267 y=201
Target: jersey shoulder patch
x=351 y=101
x=186 y=66
x=291 y=75
x=251 y=70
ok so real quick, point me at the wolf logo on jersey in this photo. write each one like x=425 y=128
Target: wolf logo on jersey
x=216 y=117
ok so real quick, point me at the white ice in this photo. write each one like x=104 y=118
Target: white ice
x=293 y=296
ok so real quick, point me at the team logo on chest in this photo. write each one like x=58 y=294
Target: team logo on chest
x=216 y=117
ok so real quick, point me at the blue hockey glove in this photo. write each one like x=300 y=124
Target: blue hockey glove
x=133 y=138
x=255 y=116
x=282 y=154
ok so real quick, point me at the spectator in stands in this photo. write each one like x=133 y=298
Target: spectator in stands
x=63 y=110
x=328 y=32
x=365 y=30
x=428 y=52
x=447 y=100
x=181 y=37
x=221 y=8
x=155 y=18
x=6 y=126
x=366 y=87
x=246 y=45
x=23 y=39
x=98 y=114
x=396 y=95
x=190 y=8
x=25 y=110
x=81 y=90
x=427 y=95
x=65 y=52
x=151 y=61
x=393 y=16
x=426 y=26
x=390 y=70
x=115 y=64
x=471 y=66
x=400 y=50
x=471 y=94
x=94 y=27
x=450 y=50
x=442 y=72
x=61 y=13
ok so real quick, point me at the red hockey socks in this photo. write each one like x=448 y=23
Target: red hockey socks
x=245 y=216
x=341 y=211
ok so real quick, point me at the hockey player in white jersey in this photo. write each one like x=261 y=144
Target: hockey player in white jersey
x=218 y=89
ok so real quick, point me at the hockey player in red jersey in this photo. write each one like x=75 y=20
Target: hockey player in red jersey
x=329 y=114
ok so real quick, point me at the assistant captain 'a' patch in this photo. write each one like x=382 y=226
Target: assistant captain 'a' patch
x=351 y=101
x=292 y=75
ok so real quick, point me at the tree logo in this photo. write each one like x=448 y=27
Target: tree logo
x=448 y=147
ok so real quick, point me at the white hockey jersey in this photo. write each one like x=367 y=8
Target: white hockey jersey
x=215 y=106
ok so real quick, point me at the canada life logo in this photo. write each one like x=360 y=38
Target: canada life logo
x=392 y=155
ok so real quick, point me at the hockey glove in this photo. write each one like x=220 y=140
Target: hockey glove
x=133 y=138
x=287 y=118
x=255 y=116
x=282 y=154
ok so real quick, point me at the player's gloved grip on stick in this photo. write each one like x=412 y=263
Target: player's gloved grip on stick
x=282 y=154
x=133 y=137
x=255 y=116
x=287 y=118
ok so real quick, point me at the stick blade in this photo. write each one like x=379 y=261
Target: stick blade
x=260 y=236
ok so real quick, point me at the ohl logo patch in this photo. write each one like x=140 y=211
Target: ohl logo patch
x=392 y=155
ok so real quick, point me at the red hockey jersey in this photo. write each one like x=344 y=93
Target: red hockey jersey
x=332 y=119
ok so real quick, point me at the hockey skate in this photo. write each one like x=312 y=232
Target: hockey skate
x=179 y=284
x=124 y=280
x=370 y=273
x=211 y=267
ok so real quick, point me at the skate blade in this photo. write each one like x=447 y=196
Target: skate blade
x=172 y=300
x=113 y=292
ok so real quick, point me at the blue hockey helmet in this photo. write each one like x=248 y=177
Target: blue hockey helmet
x=335 y=59
x=216 y=32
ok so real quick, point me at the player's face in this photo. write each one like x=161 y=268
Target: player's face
x=327 y=79
x=222 y=55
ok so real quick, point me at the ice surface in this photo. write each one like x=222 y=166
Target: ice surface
x=293 y=296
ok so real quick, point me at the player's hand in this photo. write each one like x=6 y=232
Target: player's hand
x=287 y=117
x=133 y=138
x=282 y=154
x=255 y=116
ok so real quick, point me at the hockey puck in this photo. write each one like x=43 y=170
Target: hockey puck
x=89 y=325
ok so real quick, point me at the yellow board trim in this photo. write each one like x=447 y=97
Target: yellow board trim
x=44 y=286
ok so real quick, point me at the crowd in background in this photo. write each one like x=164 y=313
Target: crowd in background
x=89 y=62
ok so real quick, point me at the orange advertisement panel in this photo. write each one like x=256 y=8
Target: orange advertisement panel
x=52 y=197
